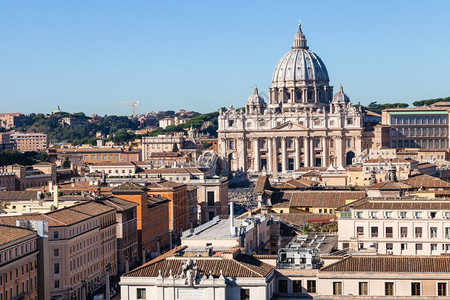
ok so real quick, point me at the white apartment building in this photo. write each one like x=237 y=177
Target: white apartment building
x=399 y=226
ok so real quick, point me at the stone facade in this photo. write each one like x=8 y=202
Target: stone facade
x=303 y=125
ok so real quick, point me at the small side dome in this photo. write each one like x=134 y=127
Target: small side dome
x=340 y=96
x=255 y=98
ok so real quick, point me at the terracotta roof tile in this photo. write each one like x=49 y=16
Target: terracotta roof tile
x=403 y=203
x=299 y=183
x=427 y=181
x=91 y=208
x=18 y=195
x=262 y=184
x=330 y=199
x=390 y=186
x=10 y=233
x=241 y=266
x=391 y=264
x=118 y=204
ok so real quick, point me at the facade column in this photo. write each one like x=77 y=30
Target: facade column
x=339 y=155
x=305 y=95
x=283 y=154
x=275 y=155
x=306 y=146
x=292 y=91
x=316 y=97
x=269 y=155
x=311 y=152
x=256 y=166
x=358 y=145
x=297 y=153
x=325 y=151
x=242 y=157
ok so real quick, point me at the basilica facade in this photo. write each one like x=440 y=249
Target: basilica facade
x=303 y=124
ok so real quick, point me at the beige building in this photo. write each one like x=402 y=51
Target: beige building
x=396 y=225
x=82 y=241
x=385 y=277
x=230 y=275
x=420 y=127
x=18 y=263
x=10 y=120
x=29 y=141
x=160 y=143
x=303 y=125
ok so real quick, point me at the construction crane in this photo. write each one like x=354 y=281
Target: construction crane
x=133 y=104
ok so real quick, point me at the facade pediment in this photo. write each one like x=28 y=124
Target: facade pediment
x=288 y=126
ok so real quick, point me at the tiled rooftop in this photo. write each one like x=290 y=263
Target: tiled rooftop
x=241 y=266
x=18 y=195
x=403 y=203
x=331 y=199
x=391 y=264
x=118 y=204
x=299 y=183
x=427 y=181
x=10 y=233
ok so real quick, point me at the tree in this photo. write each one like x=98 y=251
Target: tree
x=175 y=147
x=66 y=163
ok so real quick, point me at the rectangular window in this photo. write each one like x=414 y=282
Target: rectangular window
x=337 y=288
x=418 y=231
x=359 y=215
x=388 y=232
x=404 y=232
x=388 y=215
x=56 y=268
x=56 y=284
x=56 y=235
x=389 y=288
x=403 y=215
x=415 y=288
x=360 y=230
x=211 y=198
x=297 y=286
x=418 y=247
x=363 y=288
x=442 y=288
x=433 y=232
x=56 y=252
x=282 y=286
x=245 y=294
x=311 y=286
x=374 y=231
x=141 y=294
x=404 y=247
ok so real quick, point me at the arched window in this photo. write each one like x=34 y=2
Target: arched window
x=317 y=143
x=350 y=142
x=263 y=144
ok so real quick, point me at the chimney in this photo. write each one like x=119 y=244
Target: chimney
x=55 y=197
x=50 y=186
x=232 y=230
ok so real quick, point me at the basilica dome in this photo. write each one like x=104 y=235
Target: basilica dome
x=255 y=98
x=341 y=96
x=299 y=64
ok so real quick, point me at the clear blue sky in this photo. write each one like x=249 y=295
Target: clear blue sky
x=202 y=55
